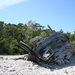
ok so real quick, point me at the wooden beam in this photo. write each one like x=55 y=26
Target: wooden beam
x=28 y=38
x=34 y=39
x=50 y=28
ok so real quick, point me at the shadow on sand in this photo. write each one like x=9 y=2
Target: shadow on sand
x=58 y=67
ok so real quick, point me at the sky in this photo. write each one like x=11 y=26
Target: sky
x=59 y=14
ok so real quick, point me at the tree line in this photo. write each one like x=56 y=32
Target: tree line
x=10 y=33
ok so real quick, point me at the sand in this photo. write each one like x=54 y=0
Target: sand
x=11 y=65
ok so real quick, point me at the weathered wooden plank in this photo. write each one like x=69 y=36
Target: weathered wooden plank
x=61 y=61
x=25 y=47
x=42 y=52
x=50 y=56
x=25 y=44
x=34 y=39
x=46 y=65
x=50 y=28
x=60 y=50
x=28 y=38
x=46 y=42
x=68 y=55
x=62 y=56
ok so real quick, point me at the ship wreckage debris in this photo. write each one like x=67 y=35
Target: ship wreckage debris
x=54 y=48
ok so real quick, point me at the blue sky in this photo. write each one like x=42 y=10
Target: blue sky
x=59 y=14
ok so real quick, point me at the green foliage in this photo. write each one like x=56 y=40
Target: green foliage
x=72 y=37
x=61 y=31
x=10 y=33
x=1 y=25
x=73 y=44
x=67 y=35
x=42 y=33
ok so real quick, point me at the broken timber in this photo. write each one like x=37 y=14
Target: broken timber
x=56 y=46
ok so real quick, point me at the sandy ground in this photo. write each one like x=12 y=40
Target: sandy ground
x=9 y=66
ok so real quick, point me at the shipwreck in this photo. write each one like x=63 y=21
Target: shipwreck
x=54 y=48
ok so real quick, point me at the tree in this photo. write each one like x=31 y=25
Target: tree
x=20 y=25
x=67 y=35
x=61 y=31
x=1 y=25
x=72 y=37
x=73 y=44
x=10 y=33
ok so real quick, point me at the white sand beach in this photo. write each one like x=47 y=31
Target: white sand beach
x=11 y=65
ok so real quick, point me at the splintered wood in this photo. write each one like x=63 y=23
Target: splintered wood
x=57 y=46
x=54 y=48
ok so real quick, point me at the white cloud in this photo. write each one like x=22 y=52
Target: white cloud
x=6 y=3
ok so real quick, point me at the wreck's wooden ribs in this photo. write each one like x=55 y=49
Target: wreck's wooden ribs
x=28 y=38
x=50 y=28
x=56 y=46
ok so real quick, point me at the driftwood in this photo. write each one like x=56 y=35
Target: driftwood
x=52 y=49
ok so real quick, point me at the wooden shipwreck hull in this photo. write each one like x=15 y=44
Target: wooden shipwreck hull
x=52 y=49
